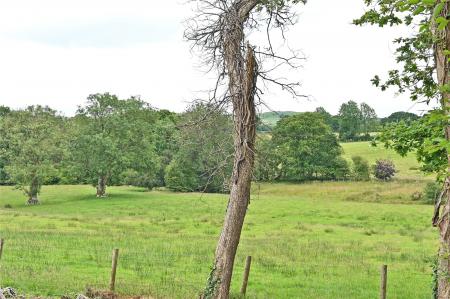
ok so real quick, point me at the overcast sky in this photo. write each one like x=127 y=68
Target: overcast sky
x=56 y=53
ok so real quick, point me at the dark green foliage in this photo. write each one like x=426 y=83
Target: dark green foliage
x=4 y=110
x=431 y=192
x=384 y=170
x=360 y=169
x=203 y=160
x=183 y=175
x=164 y=139
x=414 y=52
x=353 y=122
x=4 y=178
x=356 y=122
x=396 y=117
x=132 y=177
x=424 y=137
x=332 y=121
x=416 y=75
x=307 y=149
x=369 y=120
x=435 y=278
x=349 y=121
x=31 y=147
x=111 y=136
x=267 y=162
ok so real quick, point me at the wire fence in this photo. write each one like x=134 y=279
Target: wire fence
x=49 y=269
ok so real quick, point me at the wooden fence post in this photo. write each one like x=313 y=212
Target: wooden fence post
x=248 y=262
x=115 y=257
x=2 y=242
x=383 y=282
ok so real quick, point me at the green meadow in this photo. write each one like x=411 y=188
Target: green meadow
x=407 y=167
x=314 y=240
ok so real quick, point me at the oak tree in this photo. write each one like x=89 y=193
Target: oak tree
x=32 y=144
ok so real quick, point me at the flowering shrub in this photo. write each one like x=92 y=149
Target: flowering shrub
x=384 y=169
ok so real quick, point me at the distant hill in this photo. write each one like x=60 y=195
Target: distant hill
x=270 y=119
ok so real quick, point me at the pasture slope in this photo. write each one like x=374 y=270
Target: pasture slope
x=315 y=240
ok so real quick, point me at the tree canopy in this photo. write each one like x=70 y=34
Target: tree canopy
x=203 y=160
x=113 y=136
x=307 y=149
x=31 y=147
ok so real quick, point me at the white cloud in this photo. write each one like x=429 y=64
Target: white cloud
x=57 y=52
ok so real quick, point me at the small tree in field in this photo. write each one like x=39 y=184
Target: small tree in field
x=112 y=136
x=360 y=169
x=31 y=144
x=349 y=121
x=384 y=170
x=307 y=149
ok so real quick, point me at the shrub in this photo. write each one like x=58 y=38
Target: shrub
x=307 y=149
x=181 y=175
x=340 y=169
x=431 y=192
x=416 y=196
x=133 y=178
x=203 y=160
x=384 y=169
x=361 y=169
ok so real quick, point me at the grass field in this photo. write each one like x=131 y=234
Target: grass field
x=408 y=167
x=315 y=240
x=271 y=118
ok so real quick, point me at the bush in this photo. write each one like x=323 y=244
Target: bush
x=340 y=170
x=306 y=149
x=361 y=169
x=416 y=196
x=203 y=160
x=182 y=175
x=384 y=170
x=431 y=192
x=133 y=178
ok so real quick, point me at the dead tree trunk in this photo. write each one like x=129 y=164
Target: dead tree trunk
x=442 y=208
x=242 y=85
x=218 y=30
x=101 y=186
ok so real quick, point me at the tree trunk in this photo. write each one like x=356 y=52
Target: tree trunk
x=33 y=192
x=242 y=85
x=441 y=217
x=101 y=186
x=33 y=200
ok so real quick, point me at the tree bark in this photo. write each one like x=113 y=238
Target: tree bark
x=33 y=200
x=242 y=74
x=33 y=192
x=441 y=217
x=101 y=186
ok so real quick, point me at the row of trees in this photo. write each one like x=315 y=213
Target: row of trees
x=356 y=122
x=353 y=122
x=111 y=141
x=127 y=142
x=303 y=147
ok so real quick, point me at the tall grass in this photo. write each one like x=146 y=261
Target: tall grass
x=317 y=240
